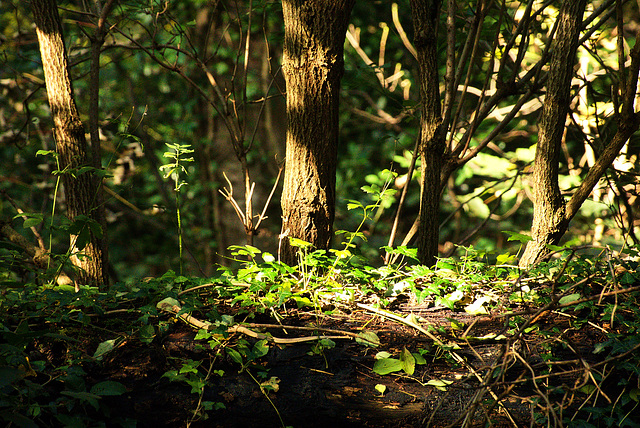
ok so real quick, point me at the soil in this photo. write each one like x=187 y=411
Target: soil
x=336 y=387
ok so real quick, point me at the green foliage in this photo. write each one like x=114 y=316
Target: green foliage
x=175 y=171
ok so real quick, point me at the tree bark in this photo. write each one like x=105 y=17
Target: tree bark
x=71 y=144
x=432 y=139
x=313 y=65
x=549 y=223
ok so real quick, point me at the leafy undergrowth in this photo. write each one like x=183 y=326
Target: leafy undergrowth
x=332 y=342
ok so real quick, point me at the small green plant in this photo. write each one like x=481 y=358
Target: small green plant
x=197 y=378
x=175 y=170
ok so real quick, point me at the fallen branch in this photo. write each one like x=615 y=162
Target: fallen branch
x=172 y=306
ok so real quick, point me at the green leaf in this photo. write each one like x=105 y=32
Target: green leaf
x=167 y=303
x=368 y=338
x=299 y=243
x=104 y=347
x=569 y=298
x=268 y=257
x=408 y=362
x=515 y=236
x=382 y=355
x=234 y=355
x=202 y=334
x=504 y=259
x=47 y=153
x=173 y=376
x=419 y=358
x=108 y=387
x=147 y=333
x=31 y=222
x=387 y=365
x=381 y=388
x=260 y=349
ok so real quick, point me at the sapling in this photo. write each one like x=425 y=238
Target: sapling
x=173 y=170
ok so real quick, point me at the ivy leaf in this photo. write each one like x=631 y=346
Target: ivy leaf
x=234 y=355
x=387 y=365
x=260 y=349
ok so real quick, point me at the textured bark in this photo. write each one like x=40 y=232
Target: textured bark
x=313 y=65
x=549 y=222
x=432 y=140
x=71 y=143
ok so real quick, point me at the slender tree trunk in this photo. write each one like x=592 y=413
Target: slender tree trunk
x=313 y=65
x=97 y=41
x=548 y=204
x=70 y=139
x=432 y=140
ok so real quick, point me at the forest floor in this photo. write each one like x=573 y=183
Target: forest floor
x=337 y=386
x=482 y=350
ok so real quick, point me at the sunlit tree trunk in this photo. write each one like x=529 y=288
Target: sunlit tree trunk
x=71 y=144
x=432 y=140
x=313 y=65
x=548 y=204
x=549 y=207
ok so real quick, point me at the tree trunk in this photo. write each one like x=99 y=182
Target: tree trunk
x=548 y=204
x=71 y=144
x=313 y=65
x=432 y=140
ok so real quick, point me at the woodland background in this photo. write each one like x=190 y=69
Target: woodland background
x=179 y=72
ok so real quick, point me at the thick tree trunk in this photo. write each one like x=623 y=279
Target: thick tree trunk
x=313 y=65
x=71 y=144
x=432 y=140
x=549 y=222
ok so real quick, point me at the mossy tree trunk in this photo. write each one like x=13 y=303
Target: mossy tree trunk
x=71 y=144
x=313 y=65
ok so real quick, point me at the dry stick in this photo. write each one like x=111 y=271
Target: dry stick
x=228 y=195
x=438 y=342
x=175 y=309
x=263 y=215
x=403 y=35
x=304 y=328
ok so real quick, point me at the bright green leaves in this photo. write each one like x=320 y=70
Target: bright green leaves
x=176 y=168
x=407 y=362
